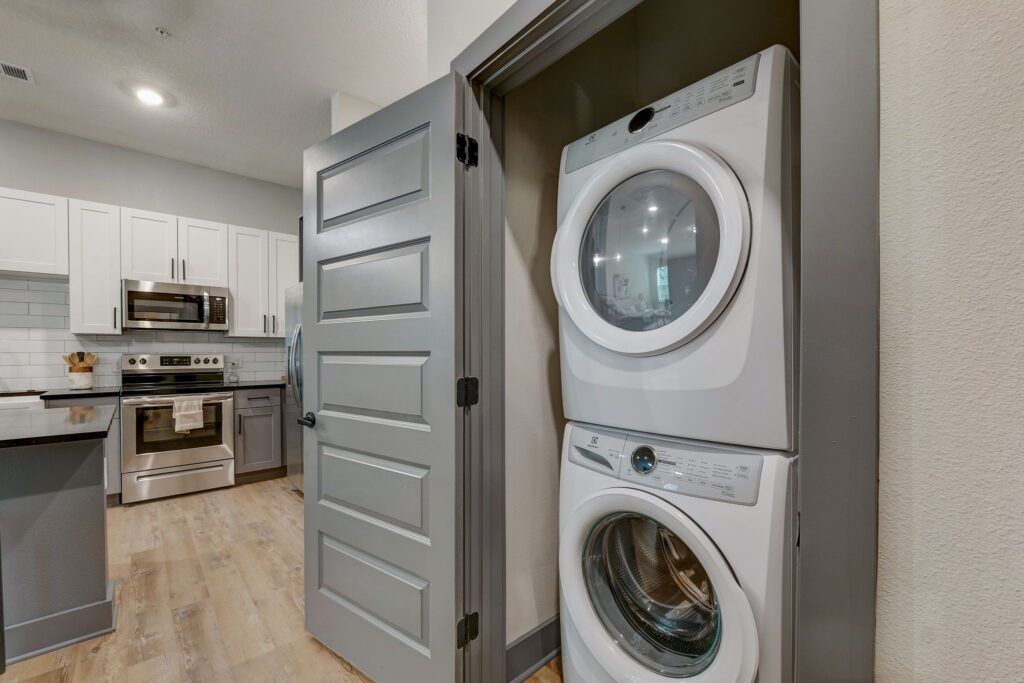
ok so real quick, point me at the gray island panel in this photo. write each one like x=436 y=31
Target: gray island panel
x=53 y=544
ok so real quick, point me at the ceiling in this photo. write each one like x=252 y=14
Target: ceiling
x=248 y=81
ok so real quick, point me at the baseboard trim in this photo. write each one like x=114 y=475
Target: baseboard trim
x=533 y=650
x=31 y=638
x=261 y=475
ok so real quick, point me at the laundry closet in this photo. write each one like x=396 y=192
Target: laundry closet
x=655 y=49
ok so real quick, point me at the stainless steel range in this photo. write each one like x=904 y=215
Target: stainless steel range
x=156 y=459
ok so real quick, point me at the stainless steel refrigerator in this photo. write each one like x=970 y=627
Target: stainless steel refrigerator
x=293 y=391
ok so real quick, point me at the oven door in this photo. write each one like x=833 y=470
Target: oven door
x=149 y=441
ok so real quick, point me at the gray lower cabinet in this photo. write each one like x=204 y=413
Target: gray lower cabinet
x=111 y=445
x=257 y=439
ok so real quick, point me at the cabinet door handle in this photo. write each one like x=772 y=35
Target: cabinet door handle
x=239 y=424
x=115 y=317
x=264 y=323
x=183 y=275
x=273 y=319
x=172 y=267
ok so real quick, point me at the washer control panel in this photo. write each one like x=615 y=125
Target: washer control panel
x=672 y=465
x=715 y=92
x=696 y=470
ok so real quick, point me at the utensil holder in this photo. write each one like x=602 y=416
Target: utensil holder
x=80 y=378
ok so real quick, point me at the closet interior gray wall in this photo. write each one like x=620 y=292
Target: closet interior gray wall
x=38 y=160
x=655 y=49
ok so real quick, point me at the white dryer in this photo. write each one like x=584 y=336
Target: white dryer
x=673 y=263
x=675 y=560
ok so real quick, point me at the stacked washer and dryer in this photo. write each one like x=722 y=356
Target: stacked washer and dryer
x=674 y=267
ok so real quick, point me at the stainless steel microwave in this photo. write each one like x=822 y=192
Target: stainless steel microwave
x=167 y=306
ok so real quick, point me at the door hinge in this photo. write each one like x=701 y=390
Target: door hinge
x=467 y=150
x=467 y=392
x=467 y=629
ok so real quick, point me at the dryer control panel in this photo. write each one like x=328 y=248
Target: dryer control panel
x=676 y=466
x=704 y=97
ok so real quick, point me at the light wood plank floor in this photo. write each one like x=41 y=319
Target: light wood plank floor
x=209 y=588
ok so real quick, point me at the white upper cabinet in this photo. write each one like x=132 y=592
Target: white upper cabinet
x=247 y=277
x=202 y=253
x=33 y=233
x=95 y=268
x=284 y=272
x=149 y=246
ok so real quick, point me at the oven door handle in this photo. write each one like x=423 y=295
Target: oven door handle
x=162 y=400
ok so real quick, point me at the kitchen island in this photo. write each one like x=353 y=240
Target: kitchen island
x=53 y=539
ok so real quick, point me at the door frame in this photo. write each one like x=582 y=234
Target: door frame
x=839 y=301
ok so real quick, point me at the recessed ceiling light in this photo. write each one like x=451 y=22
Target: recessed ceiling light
x=149 y=97
x=664 y=240
x=652 y=208
x=644 y=230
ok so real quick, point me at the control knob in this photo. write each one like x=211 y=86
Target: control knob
x=643 y=459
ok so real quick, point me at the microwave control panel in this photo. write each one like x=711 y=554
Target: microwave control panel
x=218 y=310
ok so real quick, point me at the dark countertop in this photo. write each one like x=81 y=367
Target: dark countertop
x=98 y=392
x=95 y=392
x=54 y=425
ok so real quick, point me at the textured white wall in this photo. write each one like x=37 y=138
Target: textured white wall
x=951 y=554
x=39 y=160
x=452 y=25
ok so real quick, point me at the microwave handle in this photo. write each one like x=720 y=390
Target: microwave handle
x=206 y=309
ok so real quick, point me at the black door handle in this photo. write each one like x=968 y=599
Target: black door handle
x=307 y=420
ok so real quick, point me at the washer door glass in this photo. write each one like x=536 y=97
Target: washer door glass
x=649 y=250
x=652 y=594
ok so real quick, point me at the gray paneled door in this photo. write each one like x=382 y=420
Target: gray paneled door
x=382 y=334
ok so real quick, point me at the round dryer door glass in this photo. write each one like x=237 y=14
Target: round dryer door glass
x=649 y=250
x=652 y=594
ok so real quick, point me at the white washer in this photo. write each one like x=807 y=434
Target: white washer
x=673 y=264
x=675 y=560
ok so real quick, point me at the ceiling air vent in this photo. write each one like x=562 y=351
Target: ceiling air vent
x=18 y=73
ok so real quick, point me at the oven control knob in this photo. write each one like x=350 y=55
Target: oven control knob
x=195 y=361
x=131 y=361
x=206 y=360
x=216 y=360
x=142 y=361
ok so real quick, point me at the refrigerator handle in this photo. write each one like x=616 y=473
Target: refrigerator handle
x=293 y=368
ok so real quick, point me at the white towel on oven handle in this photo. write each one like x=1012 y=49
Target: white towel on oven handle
x=188 y=413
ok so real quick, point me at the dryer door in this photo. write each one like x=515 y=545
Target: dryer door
x=653 y=248
x=649 y=592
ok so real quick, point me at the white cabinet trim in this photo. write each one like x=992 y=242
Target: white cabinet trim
x=280 y=279
x=189 y=271
x=53 y=257
x=102 y=286
x=248 y=285
x=165 y=266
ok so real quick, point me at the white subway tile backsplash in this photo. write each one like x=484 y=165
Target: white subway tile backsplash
x=34 y=339
x=13 y=307
x=35 y=297
x=32 y=320
x=48 y=285
x=13 y=333
x=13 y=283
x=49 y=309
x=42 y=333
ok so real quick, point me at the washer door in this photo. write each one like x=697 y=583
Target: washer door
x=653 y=248
x=651 y=595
